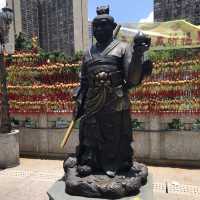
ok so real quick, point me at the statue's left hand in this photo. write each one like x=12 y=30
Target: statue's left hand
x=141 y=43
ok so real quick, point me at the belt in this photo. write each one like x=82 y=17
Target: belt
x=112 y=79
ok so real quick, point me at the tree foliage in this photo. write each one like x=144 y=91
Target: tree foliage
x=21 y=43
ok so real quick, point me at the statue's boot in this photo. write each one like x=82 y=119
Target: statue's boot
x=111 y=174
x=110 y=170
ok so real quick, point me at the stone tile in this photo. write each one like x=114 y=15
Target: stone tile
x=33 y=177
x=180 y=175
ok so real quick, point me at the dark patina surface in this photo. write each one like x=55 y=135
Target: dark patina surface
x=100 y=185
x=104 y=165
x=57 y=192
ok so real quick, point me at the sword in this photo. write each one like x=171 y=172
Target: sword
x=67 y=134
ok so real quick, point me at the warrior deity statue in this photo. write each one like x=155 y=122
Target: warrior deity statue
x=109 y=69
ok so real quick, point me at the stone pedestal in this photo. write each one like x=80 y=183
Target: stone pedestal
x=57 y=192
x=9 y=149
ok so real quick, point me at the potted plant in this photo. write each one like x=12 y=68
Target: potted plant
x=14 y=122
x=175 y=124
x=136 y=125
x=196 y=125
x=29 y=123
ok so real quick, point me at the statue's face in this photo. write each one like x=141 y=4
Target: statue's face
x=103 y=31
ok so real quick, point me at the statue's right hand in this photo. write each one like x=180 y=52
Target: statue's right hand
x=141 y=43
x=77 y=111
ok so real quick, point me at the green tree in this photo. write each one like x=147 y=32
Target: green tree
x=21 y=43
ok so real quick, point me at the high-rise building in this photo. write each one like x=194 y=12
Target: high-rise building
x=166 y=10
x=61 y=25
x=26 y=18
x=10 y=46
x=30 y=17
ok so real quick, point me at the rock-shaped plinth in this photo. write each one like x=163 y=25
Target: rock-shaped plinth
x=100 y=185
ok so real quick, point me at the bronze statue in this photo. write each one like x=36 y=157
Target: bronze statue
x=109 y=69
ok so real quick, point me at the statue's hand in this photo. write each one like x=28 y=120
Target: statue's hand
x=141 y=43
x=77 y=111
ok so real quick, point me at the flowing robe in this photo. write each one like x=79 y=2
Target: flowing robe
x=105 y=133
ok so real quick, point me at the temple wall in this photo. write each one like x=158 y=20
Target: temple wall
x=152 y=145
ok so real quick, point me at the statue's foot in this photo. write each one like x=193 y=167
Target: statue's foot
x=84 y=170
x=110 y=173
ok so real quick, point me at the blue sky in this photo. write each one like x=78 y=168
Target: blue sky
x=121 y=10
x=124 y=10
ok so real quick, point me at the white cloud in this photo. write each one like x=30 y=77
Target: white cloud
x=148 y=19
x=2 y=3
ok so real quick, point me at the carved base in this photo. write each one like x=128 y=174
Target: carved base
x=102 y=186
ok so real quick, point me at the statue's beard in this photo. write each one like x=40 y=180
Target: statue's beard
x=103 y=37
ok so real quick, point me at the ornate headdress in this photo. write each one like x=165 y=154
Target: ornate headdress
x=103 y=14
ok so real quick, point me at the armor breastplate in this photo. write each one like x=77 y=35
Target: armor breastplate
x=104 y=75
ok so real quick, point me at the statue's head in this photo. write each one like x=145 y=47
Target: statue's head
x=103 y=25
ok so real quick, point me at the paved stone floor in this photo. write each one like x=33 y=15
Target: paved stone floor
x=33 y=177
